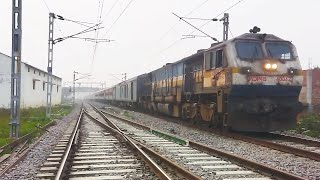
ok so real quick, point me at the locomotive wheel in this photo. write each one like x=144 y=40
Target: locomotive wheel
x=216 y=121
x=197 y=119
x=152 y=111
x=184 y=115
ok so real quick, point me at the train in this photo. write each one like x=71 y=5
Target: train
x=249 y=83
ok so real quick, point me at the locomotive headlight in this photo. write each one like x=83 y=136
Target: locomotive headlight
x=267 y=66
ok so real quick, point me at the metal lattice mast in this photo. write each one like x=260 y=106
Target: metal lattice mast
x=15 y=69
x=49 y=68
x=74 y=88
x=225 y=20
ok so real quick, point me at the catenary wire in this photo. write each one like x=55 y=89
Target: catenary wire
x=55 y=23
x=117 y=18
x=232 y=6
x=95 y=46
x=174 y=25
x=176 y=41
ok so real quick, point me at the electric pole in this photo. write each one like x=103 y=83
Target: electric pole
x=74 y=87
x=15 y=68
x=49 y=68
x=225 y=20
x=125 y=76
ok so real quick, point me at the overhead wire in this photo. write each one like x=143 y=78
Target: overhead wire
x=174 y=25
x=90 y=29
x=232 y=6
x=196 y=27
x=55 y=23
x=117 y=18
x=100 y=10
x=230 y=32
x=204 y=19
x=190 y=34
x=79 y=22
x=110 y=10
x=92 y=39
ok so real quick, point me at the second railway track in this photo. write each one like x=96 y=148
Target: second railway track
x=302 y=147
x=207 y=162
x=298 y=146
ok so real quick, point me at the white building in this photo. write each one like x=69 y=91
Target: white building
x=33 y=85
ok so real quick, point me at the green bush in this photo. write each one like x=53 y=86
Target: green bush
x=309 y=125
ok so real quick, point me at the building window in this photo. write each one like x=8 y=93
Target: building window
x=28 y=69
x=57 y=88
x=34 y=84
x=44 y=86
x=39 y=73
x=34 y=71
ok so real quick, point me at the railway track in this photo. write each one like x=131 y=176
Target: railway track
x=289 y=144
x=311 y=145
x=58 y=156
x=298 y=146
x=14 y=152
x=205 y=161
x=89 y=151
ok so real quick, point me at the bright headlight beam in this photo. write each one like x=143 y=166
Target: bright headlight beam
x=274 y=66
x=267 y=66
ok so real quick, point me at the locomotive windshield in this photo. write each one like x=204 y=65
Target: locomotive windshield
x=249 y=50
x=279 y=51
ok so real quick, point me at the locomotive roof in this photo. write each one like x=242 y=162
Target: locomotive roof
x=245 y=36
x=258 y=36
x=249 y=36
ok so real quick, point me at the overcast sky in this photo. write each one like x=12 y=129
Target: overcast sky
x=148 y=35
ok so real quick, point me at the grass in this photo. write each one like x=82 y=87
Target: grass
x=309 y=124
x=30 y=118
x=128 y=115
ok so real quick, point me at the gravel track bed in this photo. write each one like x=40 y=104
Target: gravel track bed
x=29 y=167
x=89 y=129
x=180 y=159
x=303 y=167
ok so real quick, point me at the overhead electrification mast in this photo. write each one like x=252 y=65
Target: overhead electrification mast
x=49 y=68
x=15 y=69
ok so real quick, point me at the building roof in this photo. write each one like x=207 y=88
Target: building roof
x=27 y=64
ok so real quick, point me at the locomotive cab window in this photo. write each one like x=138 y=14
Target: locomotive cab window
x=249 y=50
x=214 y=59
x=280 y=51
x=219 y=59
x=197 y=67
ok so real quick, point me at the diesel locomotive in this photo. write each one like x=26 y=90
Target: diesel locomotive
x=249 y=83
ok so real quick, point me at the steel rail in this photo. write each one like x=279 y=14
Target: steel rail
x=180 y=170
x=15 y=143
x=304 y=141
x=275 y=146
x=20 y=158
x=265 y=143
x=25 y=137
x=248 y=163
x=266 y=170
x=157 y=170
x=72 y=138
